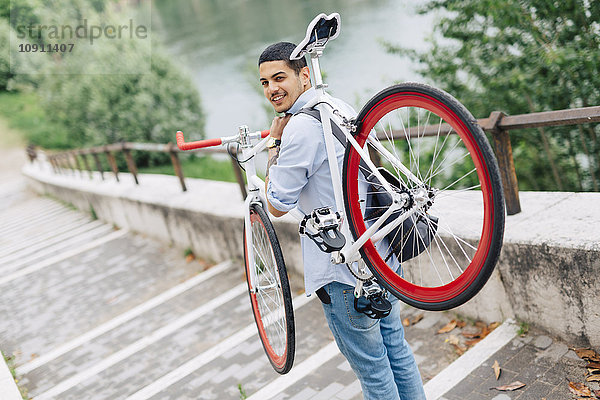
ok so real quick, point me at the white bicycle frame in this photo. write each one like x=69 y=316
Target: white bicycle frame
x=329 y=113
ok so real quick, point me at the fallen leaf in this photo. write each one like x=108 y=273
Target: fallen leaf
x=406 y=322
x=189 y=258
x=461 y=324
x=458 y=347
x=484 y=332
x=453 y=339
x=497 y=369
x=593 y=378
x=592 y=364
x=473 y=342
x=416 y=319
x=579 y=389
x=471 y=335
x=448 y=327
x=510 y=387
x=593 y=371
x=460 y=350
x=587 y=354
x=493 y=325
x=597 y=393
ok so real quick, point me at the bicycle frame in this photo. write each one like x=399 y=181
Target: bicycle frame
x=330 y=114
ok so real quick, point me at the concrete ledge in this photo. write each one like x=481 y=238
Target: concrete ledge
x=548 y=274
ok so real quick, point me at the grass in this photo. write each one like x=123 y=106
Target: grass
x=243 y=394
x=9 y=138
x=27 y=121
x=23 y=120
x=523 y=328
x=93 y=213
x=10 y=362
x=204 y=167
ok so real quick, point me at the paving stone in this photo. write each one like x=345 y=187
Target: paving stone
x=351 y=391
x=428 y=321
x=542 y=342
x=554 y=352
x=465 y=387
x=535 y=390
x=306 y=394
x=329 y=392
x=524 y=357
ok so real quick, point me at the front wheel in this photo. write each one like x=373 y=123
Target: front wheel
x=269 y=291
x=442 y=163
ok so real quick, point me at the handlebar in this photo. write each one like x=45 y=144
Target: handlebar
x=209 y=142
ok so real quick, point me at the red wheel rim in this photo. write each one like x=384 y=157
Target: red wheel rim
x=278 y=360
x=408 y=289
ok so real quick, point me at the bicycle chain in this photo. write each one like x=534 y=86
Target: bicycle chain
x=358 y=276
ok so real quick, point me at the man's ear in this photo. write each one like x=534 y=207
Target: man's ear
x=305 y=76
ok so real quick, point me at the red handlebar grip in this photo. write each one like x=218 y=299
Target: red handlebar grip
x=197 y=144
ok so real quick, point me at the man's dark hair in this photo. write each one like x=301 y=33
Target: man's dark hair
x=282 y=51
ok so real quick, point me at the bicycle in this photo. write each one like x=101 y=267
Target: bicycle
x=421 y=196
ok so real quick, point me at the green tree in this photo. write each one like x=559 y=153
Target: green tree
x=521 y=56
x=91 y=108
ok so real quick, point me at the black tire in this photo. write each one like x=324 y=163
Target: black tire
x=278 y=337
x=468 y=258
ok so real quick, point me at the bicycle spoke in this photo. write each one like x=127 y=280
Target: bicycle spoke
x=433 y=158
x=439 y=171
x=461 y=178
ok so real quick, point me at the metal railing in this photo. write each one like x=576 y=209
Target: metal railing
x=78 y=159
x=497 y=124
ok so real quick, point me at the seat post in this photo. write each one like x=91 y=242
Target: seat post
x=314 y=59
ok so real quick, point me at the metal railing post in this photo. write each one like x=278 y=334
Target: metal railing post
x=177 y=165
x=112 y=162
x=72 y=162
x=87 y=164
x=505 y=163
x=77 y=162
x=98 y=164
x=130 y=163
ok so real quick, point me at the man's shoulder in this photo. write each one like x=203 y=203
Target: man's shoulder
x=302 y=123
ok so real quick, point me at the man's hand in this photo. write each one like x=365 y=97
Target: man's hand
x=277 y=126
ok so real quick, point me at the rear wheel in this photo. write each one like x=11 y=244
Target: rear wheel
x=453 y=176
x=269 y=291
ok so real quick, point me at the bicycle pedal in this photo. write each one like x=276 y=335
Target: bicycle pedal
x=322 y=226
x=375 y=306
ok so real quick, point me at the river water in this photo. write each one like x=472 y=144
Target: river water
x=218 y=43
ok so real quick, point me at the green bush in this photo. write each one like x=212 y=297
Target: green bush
x=96 y=93
x=5 y=74
x=102 y=109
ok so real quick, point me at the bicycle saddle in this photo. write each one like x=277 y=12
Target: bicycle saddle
x=320 y=30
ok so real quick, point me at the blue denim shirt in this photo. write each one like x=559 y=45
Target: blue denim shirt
x=301 y=178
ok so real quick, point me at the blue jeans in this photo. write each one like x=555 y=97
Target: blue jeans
x=375 y=349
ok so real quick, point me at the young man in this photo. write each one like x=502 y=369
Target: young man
x=298 y=176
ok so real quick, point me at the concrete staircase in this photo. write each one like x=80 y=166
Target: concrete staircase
x=91 y=311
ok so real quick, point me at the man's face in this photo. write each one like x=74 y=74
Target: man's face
x=281 y=85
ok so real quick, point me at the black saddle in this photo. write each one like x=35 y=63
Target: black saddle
x=320 y=30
